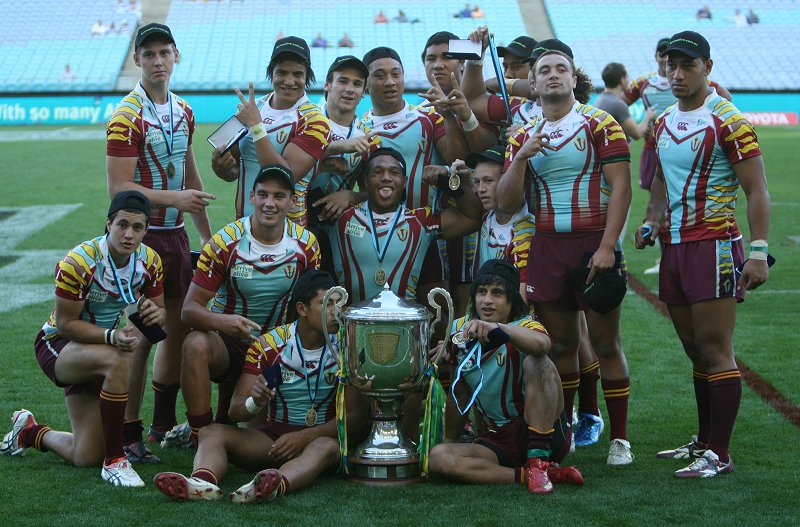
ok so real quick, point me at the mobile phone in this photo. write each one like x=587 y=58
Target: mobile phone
x=195 y=255
x=770 y=263
x=153 y=333
x=228 y=134
x=463 y=49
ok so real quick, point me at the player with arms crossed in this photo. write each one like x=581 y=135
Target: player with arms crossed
x=706 y=151
x=80 y=349
x=149 y=149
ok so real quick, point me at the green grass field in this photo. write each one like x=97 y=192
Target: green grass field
x=40 y=489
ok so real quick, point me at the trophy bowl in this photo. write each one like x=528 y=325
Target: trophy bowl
x=385 y=351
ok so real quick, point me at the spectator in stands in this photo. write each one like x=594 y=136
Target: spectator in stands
x=380 y=18
x=99 y=28
x=739 y=19
x=68 y=75
x=752 y=17
x=279 y=36
x=135 y=8
x=124 y=28
x=615 y=78
x=345 y=42
x=319 y=42
x=703 y=13
x=403 y=18
x=477 y=12
x=464 y=13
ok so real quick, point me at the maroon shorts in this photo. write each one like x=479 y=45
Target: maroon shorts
x=704 y=270
x=274 y=430
x=647 y=167
x=172 y=245
x=432 y=267
x=237 y=350
x=46 y=354
x=552 y=257
x=510 y=442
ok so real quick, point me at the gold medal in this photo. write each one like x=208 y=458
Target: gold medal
x=380 y=277
x=454 y=182
x=459 y=338
x=171 y=170
x=311 y=417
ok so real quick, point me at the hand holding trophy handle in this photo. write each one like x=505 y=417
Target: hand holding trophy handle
x=337 y=314
x=450 y=313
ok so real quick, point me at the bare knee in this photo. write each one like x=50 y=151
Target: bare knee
x=441 y=459
x=327 y=448
x=196 y=348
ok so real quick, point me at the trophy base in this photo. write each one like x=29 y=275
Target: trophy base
x=390 y=473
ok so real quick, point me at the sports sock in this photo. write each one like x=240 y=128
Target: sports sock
x=224 y=394
x=199 y=421
x=132 y=431
x=617 y=393
x=587 y=390
x=205 y=475
x=539 y=443
x=569 y=384
x=703 y=399
x=32 y=437
x=725 y=394
x=112 y=414
x=165 y=398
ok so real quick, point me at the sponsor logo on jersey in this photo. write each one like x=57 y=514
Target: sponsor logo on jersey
x=683 y=127
x=354 y=229
x=97 y=296
x=530 y=289
x=268 y=120
x=557 y=134
x=288 y=376
x=267 y=258
x=242 y=271
x=154 y=137
x=580 y=144
x=663 y=141
x=165 y=119
x=391 y=125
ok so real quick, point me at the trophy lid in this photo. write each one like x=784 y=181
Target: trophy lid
x=387 y=306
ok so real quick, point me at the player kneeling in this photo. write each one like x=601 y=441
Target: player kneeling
x=499 y=361
x=298 y=442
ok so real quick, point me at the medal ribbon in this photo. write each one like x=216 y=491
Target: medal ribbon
x=381 y=252
x=476 y=348
x=128 y=296
x=499 y=73
x=168 y=144
x=312 y=395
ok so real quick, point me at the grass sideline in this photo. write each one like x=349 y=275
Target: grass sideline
x=40 y=489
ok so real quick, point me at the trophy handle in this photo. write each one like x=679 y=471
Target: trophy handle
x=450 y=313
x=337 y=314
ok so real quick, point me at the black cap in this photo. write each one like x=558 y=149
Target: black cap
x=604 y=293
x=294 y=45
x=520 y=47
x=662 y=44
x=551 y=44
x=385 y=151
x=152 y=30
x=130 y=200
x=348 y=61
x=312 y=280
x=381 y=52
x=495 y=154
x=440 y=37
x=502 y=268
x=275 y=172
x=689 y=43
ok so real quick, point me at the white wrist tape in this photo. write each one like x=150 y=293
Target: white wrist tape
x=471 y=124
x=251 y=406
x=258 y=131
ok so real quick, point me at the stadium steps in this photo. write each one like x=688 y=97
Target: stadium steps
x=534 y=16
x=152 y=11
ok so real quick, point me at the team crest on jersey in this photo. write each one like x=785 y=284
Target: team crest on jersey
x=289 y=271
x=354 y=229
x=242 y=271
x=580 y=144
x=288 y=376
x=403 y=234
x=500 y=358
x=695 y=144
x=330 y=376
x=154 y=137
x=468 y=365
x=97 y=296
x=281 y=137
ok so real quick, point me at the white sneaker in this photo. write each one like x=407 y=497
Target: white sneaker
x=121 y=474
x=178 y=487
x=21 y=419
x=655 y=269
x=619 y=453
x=179 y=437
x=263 y=487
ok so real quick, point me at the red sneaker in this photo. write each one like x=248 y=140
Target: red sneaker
x=536 y=473
x=569 y=475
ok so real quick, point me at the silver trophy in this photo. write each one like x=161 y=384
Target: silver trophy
x=386 y=354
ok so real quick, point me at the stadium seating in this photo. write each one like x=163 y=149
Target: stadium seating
x=752 y=57
x=36 y=47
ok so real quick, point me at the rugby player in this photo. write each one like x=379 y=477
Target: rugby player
x=574 y=146
x=82 y=350
x=245 y=275
x=706 y=150
x=296 y=132
x=299 y=442
x=499 y=362
x=381 y=240
x=149 y=149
